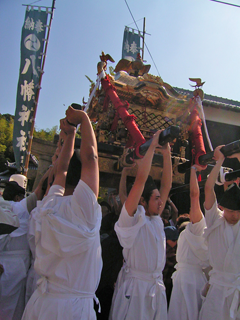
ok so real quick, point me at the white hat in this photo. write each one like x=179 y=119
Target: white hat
x=20 y=179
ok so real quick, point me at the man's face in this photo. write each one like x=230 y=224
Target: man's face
x=154 y=204
x=165 y=214
x=231 y=216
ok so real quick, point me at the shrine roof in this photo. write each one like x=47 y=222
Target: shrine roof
x=213 y=101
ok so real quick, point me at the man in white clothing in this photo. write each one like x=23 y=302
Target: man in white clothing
x=140 y=292
x=192 y=256
x=68 y=251
x=14 y=250
x=222 y=299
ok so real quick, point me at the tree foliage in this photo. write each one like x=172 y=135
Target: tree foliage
x=6 y=138
x=6 y=132
x=47 y=135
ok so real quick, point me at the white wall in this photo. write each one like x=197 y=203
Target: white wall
x=221 y=115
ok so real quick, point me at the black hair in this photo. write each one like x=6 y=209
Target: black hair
x=147 y=195
x=148 y=189
x=183 y=226
x=12 y=190
x=182 y=218
x=231 y=198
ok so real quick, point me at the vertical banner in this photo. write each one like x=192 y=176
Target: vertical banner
x=32 y=45
x=131 y=45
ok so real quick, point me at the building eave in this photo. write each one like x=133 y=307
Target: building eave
x=214 y=101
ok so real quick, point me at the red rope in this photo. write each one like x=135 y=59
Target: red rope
x=136 y=138
x=198 y=148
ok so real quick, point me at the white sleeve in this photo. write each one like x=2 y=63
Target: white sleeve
x=7 y=216
x=31 y=201
x=198 y=227
x=20 y=208
x=56 y=190
x=84 y=203
x=194 y=237
x=127 y=227
x=125 y=220
x=212 y=214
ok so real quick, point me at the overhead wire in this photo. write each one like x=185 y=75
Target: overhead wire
x=34 y=2
x=229 y=4
x=145 y=41
x=133 y=22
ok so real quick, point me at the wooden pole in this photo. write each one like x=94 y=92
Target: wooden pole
x=37 y=96
x=144 y=20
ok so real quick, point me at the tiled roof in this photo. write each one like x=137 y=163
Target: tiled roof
x=214 y=101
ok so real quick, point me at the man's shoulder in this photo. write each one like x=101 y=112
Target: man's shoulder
x=56 y=190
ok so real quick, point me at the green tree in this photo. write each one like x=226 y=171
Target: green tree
x=6 y=137
x=47 y=135
x=6 y=131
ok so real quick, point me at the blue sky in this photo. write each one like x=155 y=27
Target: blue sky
x=189 y=38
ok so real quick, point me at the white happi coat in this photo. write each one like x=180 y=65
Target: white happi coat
x=189 y=279
x=32 y=276
x=15 y=258
x=68 y=256
x=223 y=300
x=140 y=292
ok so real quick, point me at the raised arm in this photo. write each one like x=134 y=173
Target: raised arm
x=65 y=153
x=88 y=151
x=210 y=196
x=123 y=184
x=174 y=210
x=235 y=155
x=53 y=167
x=116 y=204
x=166 y=180
x=144 y=166
x=195 y=209
x=39 y=192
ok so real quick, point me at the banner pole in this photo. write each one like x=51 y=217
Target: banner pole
x=37 y=96
x=143 y=37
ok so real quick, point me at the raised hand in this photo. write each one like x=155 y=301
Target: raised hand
x=66 y=127
x=218 y=155
x=199 y=168
x=73 y=116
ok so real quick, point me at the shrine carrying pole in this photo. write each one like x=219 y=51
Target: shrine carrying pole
x=38 y=93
